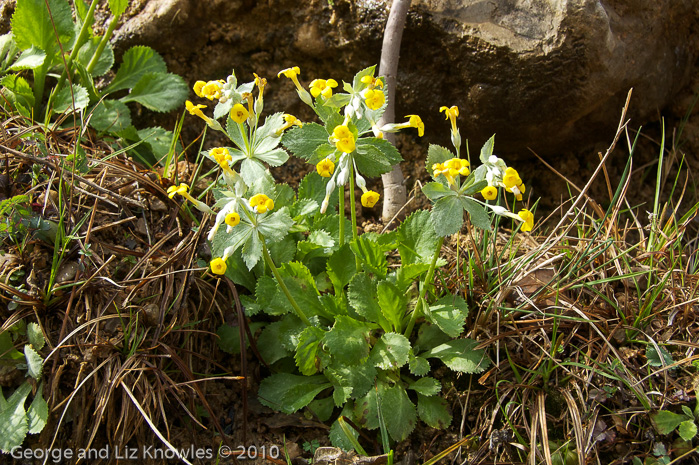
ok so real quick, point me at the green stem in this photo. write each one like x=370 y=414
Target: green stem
x=353 y=213
x=39 y=81
x=423 y=291
x=341 y=208
x=103 y=43
x=82 y=37
x=275 y=272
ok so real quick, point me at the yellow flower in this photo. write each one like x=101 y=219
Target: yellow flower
x=262 y=203
x=344 y=139
x=221 y=155
x=513 y=182
x=182 y=190
x=232 y=219
x=451 y=114
x=323 y=87
x=195 y=110
x=369 y=199
x=211 y=90
x=325 y=168
x=197 y=88
x=293 y=74
x=239 y=113
x=528 y=218
x=218 y=266
x=374 y=99
x=291 y=120
x=371 y=81
x=437 y=169
x=489 y=192
x=416 y=122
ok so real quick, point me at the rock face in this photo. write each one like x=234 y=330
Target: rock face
x=545 y=74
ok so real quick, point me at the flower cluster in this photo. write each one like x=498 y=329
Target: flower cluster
x=451 y=168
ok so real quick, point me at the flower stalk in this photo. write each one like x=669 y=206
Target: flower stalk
x=270 y=263
x=428 y=279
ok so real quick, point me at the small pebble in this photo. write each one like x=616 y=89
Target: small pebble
x=67 y=272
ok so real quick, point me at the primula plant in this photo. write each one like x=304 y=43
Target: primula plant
x=354 y=333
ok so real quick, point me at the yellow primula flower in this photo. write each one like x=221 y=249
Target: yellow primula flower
x=325 y=168
x=221 y=155
x=416 y=122
x=218 y=266
x=239 y=113
x=293 y=73
x=513 y=182
x=195 y=110
x=212 y=90
x=198 y=87
x=369 y=199
x=290 y=120
x=261 y=203
x=374 y=99
x=344 y=139
x=528 y=218
x=323 y=87
x=451 y=114
x=232 y=219
x=489 y=192
x=182 y=190
x=371 y=81
x=437 y=169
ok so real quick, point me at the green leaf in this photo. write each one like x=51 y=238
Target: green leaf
x=110 y=116
x=307 y=351
x=371 y=254
x=341 y=267
x=301 y=285
x=362 y=297
x=276 y=157
x=34 y=362
x=348 y=340
x=35 y=336
x=436 y=154
x=104 y=62
x=418 y=366
x=434 y=411
x=322 y=408
x=487 y=149
x=312 y=187
x=136 y=62
x=354 y=380
x=159 y=141
x=229 y=336
x=666 y=422
x=159 y=92
x=417 y=241
x=337 y=435
x=357 y=83
x=449 y=314
x=274 y=227
x=437 y=190
x=400 y=412
x=14 y=424
x=393 y=302
x=687 y=430
x=118 y=7
x=33 y=24
x=390 y=352
x=375 y=157
x=426 y=386
x=38 y=413
x=31 y=58
x=269 y=342
x=460 y=355
x=366 y=412
x=288 y=393
x=479 y=216
x=22 y=92
x=654 y=359
x=303 y=141
x=63 y=101
x=447 y=216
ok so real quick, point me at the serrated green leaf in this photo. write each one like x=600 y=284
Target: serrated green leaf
x=426 y=386
x=487 y=149
x=418 y=366
x=460 y=355
x=159 y=92
x=288 y=393
x=269 y=343
x=337 y=436
x=136 y=62
x=229 y=336
x=301 y=285
x=393 y=302
x=252 y=251
x=687 y=430
x=362 y=297
x=436 y=154
x=449 y=314
x=357 y=83
x=401 y=417
x=118 y=7
x=666 y=422
x=64 y=100
x=447 y=216
x=34 y=362
x=337 y=100
x=307 y=350
x=33 y=24
x=303 y=141
x=322 y=408
x=22 y=92
x=654 y=359
x=390 y=352
x=110 y=116
x=375 y=157
x=38 y=413
x=479 y=216
x=14 y=424
x=371 y=254
x=436 y=190
x=105 y=60
x=356 y=380
x=341 y=267
x=276 y=226
x=35 y=336
x=348 y=340
x=366 y=412
x=434 y=411
x=31 y=58
x=417 y=241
